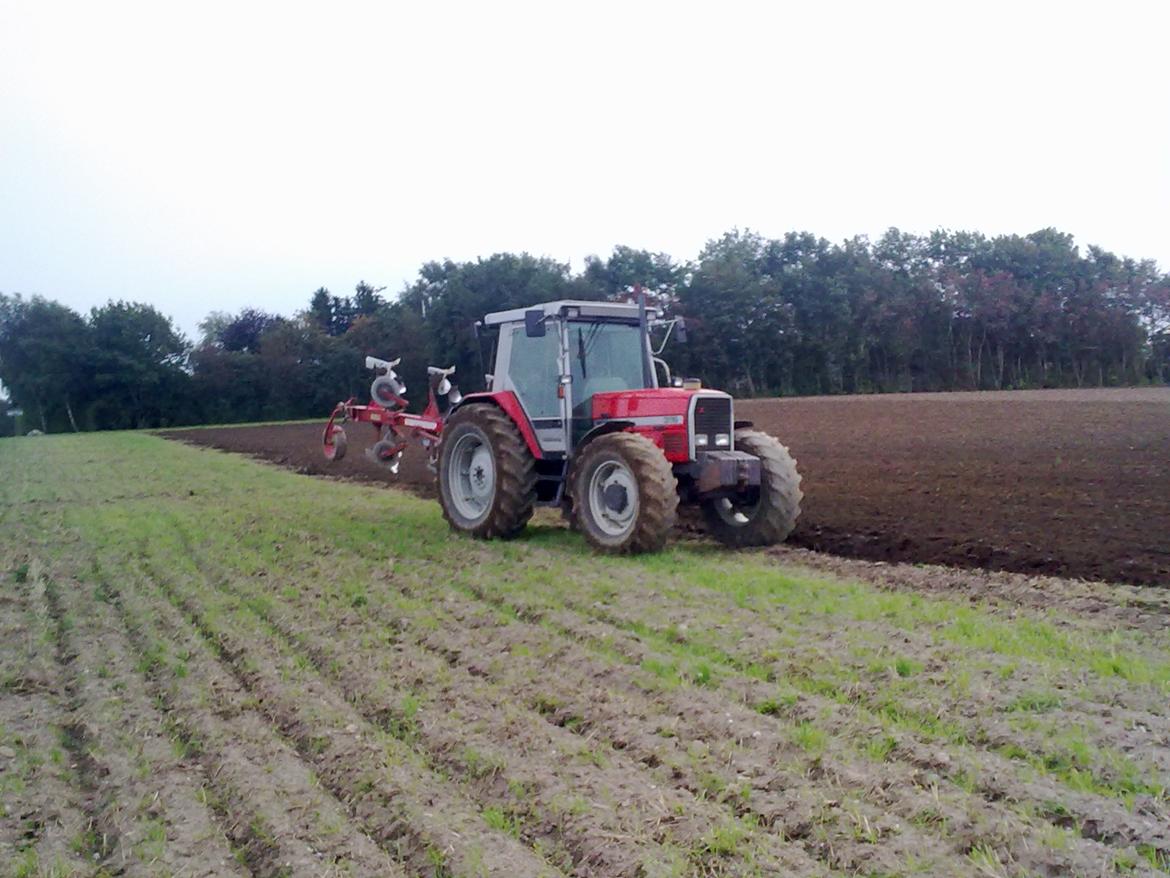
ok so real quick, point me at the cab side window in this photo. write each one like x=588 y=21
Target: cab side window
x=532 y=370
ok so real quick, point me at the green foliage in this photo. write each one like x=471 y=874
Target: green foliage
x=905 y=667
x=794 y=315
x=497 y=819
x=724 y=839
x=43 y=347
x=952 y=310
x=136 y=376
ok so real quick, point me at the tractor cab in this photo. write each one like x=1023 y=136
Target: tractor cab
x=576 y=367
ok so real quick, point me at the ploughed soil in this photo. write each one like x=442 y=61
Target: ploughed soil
x=1062 y=482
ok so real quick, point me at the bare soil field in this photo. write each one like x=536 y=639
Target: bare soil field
x=1068 y=483
x=216 y=667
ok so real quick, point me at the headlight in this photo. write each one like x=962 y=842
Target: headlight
x=722 y=440
x=700 y=440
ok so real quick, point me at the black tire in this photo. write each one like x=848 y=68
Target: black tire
x=771 y=518
x=510 y=502
x=654 y=504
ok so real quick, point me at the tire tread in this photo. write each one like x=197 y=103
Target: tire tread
x=657 y=486
x=515 y=497
x=780 y=496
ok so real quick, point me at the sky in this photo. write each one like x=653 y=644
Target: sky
x=211 y=156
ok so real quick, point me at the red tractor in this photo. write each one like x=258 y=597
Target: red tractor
x=575 y=418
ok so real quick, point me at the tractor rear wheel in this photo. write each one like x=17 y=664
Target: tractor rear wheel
x=625 y=496
x=771 y=516
x=487 y=477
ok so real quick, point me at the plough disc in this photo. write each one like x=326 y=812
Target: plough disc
x=335 y=443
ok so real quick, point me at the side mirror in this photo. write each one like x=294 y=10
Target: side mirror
x=534 y=323
x=680 y=331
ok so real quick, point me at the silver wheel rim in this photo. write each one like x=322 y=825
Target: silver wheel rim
x=615 y=512
x=471 y=476
x=732 y=513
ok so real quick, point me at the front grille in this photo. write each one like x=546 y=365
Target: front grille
x=675 y=443
x=712 y=415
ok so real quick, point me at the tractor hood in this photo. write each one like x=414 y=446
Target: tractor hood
x=652 y=402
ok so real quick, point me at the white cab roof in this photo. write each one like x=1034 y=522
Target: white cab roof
x=572 y=308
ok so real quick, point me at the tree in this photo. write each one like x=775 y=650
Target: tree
x=739 y=325
x=320 y=313
x=46 y=353
x=366 y=300
x=243 y=332
x=626 y=268
x=449 y=298
x=137 y=373
x=7 y=423
x=789 y=315
x=212 y=326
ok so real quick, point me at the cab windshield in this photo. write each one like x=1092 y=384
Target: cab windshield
x=604 y=357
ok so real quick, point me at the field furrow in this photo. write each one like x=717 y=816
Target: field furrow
x=45 y=824
x=851 y=832
x=599 y=809
x=814 y=735
x=272 y=806
x=148 y=794
x=705 y=748
x=223 y=668
x=404 y=805
x=893 y=730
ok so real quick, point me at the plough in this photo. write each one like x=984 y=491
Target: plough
x=386 y=412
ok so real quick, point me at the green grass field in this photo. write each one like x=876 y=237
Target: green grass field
x=214 y=666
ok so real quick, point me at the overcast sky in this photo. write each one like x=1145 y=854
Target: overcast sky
x=206 y=156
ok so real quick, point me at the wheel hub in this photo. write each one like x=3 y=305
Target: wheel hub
x=616 y=497
x=480 y=472
x=471 y=478
x=613 y=497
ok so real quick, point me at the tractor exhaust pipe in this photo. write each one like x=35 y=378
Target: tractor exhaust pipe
x=644 y=330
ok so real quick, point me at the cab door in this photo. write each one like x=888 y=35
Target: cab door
x=533 y=370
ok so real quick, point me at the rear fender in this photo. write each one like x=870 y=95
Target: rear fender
x=506 y=401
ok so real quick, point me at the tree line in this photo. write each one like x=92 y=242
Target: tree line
x=784 y=316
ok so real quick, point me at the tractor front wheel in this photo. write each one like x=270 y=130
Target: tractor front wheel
x=625 y=497
x=771 y=515
x=487 y=477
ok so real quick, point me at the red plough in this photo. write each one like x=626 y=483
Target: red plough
x=386 y=412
